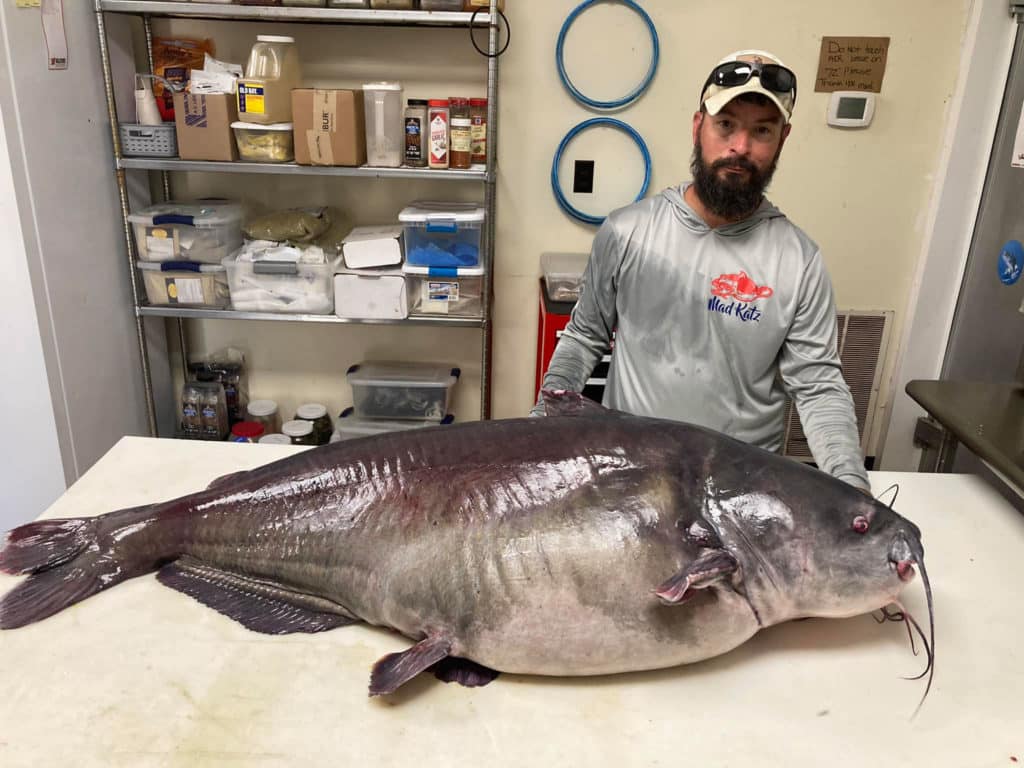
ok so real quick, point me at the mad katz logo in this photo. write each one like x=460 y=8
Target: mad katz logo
x=740 y=293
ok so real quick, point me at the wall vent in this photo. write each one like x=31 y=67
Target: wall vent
x=863 y=339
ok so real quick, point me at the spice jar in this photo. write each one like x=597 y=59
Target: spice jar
x=416 y=133
x=437 y=118
x=300 y=432
x=246 y=432
x=275 y=438
x=265 y=412
x=461 y=153
x=317 y=415
x=213 y=410
x=478 y=129
x=191 y=405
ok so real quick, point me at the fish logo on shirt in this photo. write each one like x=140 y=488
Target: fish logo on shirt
x=739 y=286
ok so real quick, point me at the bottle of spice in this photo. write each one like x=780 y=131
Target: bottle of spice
x=214 y=410
x=300 y=432
x=478 y=120
x=246 y=432
x=191 y=405
x=461 y=133
x=317 y=414
x=437 y=118
x=416 y=133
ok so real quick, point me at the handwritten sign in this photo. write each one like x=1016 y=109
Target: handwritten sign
x=852 y=64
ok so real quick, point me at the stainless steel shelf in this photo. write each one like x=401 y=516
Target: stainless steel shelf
x=280 y=13
x=291 y=169
x=230 y=314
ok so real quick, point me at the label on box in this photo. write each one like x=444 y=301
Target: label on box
x=195 y=111
x=325 y=123
x=438 y=295
x=184 y=290
x=250 y=98
x=161 y=243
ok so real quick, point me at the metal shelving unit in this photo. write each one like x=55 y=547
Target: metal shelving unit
x=147 y=9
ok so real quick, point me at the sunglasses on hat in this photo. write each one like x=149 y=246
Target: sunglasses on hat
x=774 y=77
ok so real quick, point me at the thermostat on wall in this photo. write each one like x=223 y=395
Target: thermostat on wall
x=851 y=109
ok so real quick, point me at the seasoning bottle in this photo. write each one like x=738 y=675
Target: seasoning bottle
x=461 y=133
x=478 y=121
x=437 y=118
x=317 y=415
x=300 y=432
x=416 y=133
x=265 y=412
x=191 y=405
x=214 y=411
x=246 y=432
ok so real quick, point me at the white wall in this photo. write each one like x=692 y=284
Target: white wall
x=31 y=474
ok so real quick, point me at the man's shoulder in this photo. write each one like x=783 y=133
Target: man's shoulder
x=797 y=241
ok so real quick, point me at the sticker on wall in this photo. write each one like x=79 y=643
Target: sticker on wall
x=1017 y=161
x=1011 y=262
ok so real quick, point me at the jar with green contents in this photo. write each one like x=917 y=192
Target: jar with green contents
x=317 y=415
x=299 y=431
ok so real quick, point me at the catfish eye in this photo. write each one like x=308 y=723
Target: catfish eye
x=860 y=524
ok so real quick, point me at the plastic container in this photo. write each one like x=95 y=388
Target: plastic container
x=351 y=426
x=371 y=295
x=299 y=432
x=281 y=286
x=441 y=5
x=305 y=3
x=478 y=130
x=265 y=93
x=203 y=231
x=275 y=438
x=390 y=390
x=204 y=410
x=460 y=134
x=148 y=140
x=563 y=274
x=257 y=143
x=317 y=414
x=185 y=284
x=265 y=412
x=393 y=5
x=442 y=234
x=444 y=291
x=385 y=124
x=246 y=432
x=416 y=133
x=438 y=138
x=348 y=3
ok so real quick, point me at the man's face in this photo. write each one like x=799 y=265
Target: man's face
x=734 y=156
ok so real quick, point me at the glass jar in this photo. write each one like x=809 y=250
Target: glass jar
x=317 y=415
x=437 y=119
x=416 y=133
x=246 y=432
x=265 y=412
x=461 y=153
x=299 y=431
x=478 y=129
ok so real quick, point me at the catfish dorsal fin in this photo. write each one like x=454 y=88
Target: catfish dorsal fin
x=563 y=402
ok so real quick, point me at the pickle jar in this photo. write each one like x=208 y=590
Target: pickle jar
x=317 y=415
x=299 y=431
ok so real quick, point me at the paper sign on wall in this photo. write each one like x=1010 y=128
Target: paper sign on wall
x=1017 y=161
x=852 y=64
x=53 y=32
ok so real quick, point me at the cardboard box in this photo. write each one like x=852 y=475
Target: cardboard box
x=329 y=126
x=366 y=247
x=370 y=294
x=203 y=124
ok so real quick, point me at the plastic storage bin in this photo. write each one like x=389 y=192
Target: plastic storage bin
x=204 y=231
x=350 y=426
x=264 y=143
x=149 y=140
x=185 y=284
x=389 y=390
x=281 y=286
x=444 y=291
x=442 y=234
x=563 y=274
x=371 y=295
x=385 y=124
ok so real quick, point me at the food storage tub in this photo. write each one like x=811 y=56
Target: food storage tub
x=442 y=234
x=370 y=295
x=389 y=390
x=351 y=426
x=281 y=286
x=563 y=274
x=385 y=124
x=204 y=231
x=444 y=291
x=274 y=143
x=185 y=284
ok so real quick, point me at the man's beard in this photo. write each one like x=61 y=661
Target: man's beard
x=733 y=197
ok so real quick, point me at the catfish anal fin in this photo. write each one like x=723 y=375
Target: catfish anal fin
x=711 y=567
x=396 y=669
x=261 y=606
x=453 y=669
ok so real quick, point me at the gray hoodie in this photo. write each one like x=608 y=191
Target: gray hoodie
x=707 y=321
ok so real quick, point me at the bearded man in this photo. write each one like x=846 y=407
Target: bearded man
x=719 y=304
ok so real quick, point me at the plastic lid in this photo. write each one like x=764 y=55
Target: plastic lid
x=262 y=408
x=276 y=438
x=297 y=428
x=392 y=374
x=260 y=127
x=274 y=39
x=247 y=429
x=173 y=266
x=311 y=411
x=382 y=86
x=425 y=210
x=438 y=102
x=204 y=213
x=458 y=101
x=352 y=424
x=412 y=269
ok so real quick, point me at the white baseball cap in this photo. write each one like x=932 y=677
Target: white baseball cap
x=715 y=96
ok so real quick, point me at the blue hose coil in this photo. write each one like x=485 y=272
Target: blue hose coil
x=632 y=95
x=556 y=184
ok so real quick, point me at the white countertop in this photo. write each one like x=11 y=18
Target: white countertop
x=142 y=675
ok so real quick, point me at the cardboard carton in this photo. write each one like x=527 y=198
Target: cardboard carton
x=329 y=126
x=203 y=124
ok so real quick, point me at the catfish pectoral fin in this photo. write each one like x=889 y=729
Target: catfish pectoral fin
x=396 y=669
x=261 y=606
x=711 y=567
